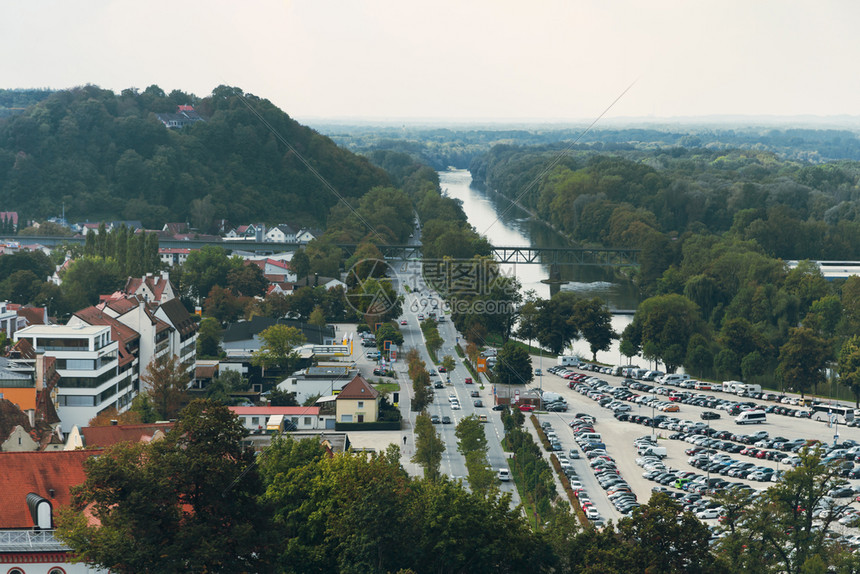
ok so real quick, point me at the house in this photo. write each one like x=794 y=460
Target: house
x=175 y=228
x=152 y=288
x=358 y=402
x=276 y=269
x=33 y=487
x=185 y=116
x=28 y=389
x=93 y=373
x=256 y=419
x=8 y=319
x=172 y=256
x=319 y=281
x=321 y=380
x=306 y=235
x=282 y=233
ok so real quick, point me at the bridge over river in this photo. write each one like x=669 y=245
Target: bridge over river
x=552 y=256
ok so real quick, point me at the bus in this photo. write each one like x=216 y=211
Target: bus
x=826 y=411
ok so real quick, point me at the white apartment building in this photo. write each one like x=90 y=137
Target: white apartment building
x=93 y=377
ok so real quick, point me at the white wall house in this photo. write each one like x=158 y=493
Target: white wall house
x=88 y=365
x=282 y=233
x=254 y=419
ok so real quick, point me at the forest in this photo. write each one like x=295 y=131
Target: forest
x=106 y=156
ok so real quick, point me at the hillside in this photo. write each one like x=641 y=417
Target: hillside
x=107 y=156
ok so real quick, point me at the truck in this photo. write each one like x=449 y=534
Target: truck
x=568 y=361
x=658 y=451
x=548 y=397
x=748 y=389
x=731 y=386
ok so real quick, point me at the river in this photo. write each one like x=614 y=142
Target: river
x=507 y=225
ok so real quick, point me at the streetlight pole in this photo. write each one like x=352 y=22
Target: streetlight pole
x=653 y=400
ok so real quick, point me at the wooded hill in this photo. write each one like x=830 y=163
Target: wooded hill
x=107 y=156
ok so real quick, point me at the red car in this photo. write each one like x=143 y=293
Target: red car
x=468 y=380
x=441 y=369
x=527 y=408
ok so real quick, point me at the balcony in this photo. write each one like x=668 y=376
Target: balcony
x=29 y=541
x=162 y=346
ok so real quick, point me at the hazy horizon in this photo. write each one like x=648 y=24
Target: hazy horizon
x=487 y=60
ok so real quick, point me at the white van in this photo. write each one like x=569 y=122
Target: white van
x=568 y=361
x=731 y=386
x=751 y=418
x=504 y=474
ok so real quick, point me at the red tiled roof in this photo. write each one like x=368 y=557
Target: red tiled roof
x=33 y=315
x=172 y=250
x=23 y=349
x=155 y=283
x=122 y=304
x=38 y=472
x=119 y=332
x=106 y=436
x=358 y=388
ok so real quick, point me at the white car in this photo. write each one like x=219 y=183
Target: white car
x=591 y=513
x=455 y=406
x=709 y=513
x=504 y=475
x=575 y=484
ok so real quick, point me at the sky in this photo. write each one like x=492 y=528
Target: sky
x=482 y=60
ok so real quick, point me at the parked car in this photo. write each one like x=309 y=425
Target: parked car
x=527 y=408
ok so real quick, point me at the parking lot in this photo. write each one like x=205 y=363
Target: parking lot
x=619 y=437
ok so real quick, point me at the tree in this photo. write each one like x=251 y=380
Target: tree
x=422 y=394
x=555 y=331
x=277 y=350
x=781 y=529
x=300 y=264
x=428 y=447
x=281 y=398
x=247 y=280
x=470 y=436
x=89 y=277
x=593 y=320
x=188 y=503
x=449 y=363
x=222 y=305
x=802 y=360
x=514 y=366
x=110 y=414
x=664 y=324
x=166 y=382
x=205 y=268
x=664 y=538
x=317 y=317
x=209 y=338
x=849 y=366
x=226 y=383
x=388 y=332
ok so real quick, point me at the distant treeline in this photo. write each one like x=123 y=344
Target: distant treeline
x=443 y=147
x=16 y=101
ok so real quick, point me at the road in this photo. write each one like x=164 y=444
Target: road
x=417 y=301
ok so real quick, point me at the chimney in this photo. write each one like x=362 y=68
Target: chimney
x=40 y=371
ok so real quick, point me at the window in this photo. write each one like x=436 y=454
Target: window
x=56 y=570
x=346 y=418
x=361 y=404
x=255 y=420
x=76 y=400
x=16 y=571
x=307 y=421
